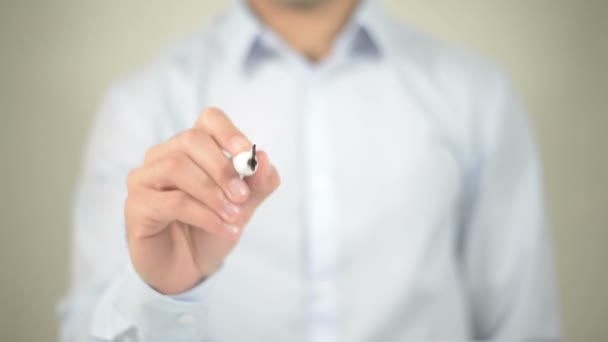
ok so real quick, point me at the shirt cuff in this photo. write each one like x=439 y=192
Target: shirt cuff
x=154 y=316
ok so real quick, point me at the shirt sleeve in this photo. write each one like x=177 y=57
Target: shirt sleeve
x=506 y=247
x=131 y=310
x=107 y=301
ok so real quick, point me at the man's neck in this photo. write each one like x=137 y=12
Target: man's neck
x=309 y=30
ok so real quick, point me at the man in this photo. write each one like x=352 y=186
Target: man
x=408 y=205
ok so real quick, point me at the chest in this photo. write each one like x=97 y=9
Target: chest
x=362 y=137
x=366 y=172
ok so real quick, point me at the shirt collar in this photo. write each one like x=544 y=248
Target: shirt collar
x=248 y=42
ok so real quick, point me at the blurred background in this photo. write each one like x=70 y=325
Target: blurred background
x=57 y=57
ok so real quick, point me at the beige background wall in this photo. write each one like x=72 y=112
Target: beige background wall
x=56 y=57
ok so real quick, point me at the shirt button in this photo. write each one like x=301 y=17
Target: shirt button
x=186 y=319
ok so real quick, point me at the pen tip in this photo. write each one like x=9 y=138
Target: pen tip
x=252 y=162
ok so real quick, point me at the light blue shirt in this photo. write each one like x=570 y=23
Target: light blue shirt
x=410 y=206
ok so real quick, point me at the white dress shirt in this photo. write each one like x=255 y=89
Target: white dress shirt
x=410 y=206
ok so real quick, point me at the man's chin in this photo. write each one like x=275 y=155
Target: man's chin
x=302 y=3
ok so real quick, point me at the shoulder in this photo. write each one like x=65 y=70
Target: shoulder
x=468 y=96
x=164 y=94
x=179 y=62
x=454 y=71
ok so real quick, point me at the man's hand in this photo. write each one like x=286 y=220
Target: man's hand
x=187 y=206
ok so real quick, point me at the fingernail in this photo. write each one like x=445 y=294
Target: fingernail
x=269 y=170
x=231 y=209
x=237 y=188
x=232 y=229
x=238 y=143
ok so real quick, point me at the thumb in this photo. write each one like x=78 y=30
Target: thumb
x=264 y=181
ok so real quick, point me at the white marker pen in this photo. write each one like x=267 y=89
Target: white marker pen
x=245 y=163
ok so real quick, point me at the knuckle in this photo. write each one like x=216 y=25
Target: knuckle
x=134 y=211
x=277 y=182
x=150 y=153
x=188 y=138
x=171 y=164
x=225 y=172
x=214 y=113
x=132 y=178
x=129 y=206
x=217 y=198
x=211 y=116
x=207 y=116
x=177 y=200
x=151 y=205
x=211 y=192
x=206 y=183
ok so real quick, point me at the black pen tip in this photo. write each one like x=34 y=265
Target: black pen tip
x=252 y=162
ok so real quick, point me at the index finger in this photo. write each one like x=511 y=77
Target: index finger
x=215 y=122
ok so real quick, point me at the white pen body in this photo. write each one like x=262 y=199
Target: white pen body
x=242 y=166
